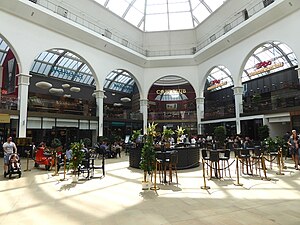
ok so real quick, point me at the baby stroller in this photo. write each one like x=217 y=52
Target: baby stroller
x=14 y=165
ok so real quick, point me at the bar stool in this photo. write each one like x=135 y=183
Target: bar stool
x=224 y=159
x=173 y=165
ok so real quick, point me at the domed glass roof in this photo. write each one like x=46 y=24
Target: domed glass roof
x=159 y=15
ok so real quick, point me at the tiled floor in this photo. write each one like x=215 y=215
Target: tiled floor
x=40 y=198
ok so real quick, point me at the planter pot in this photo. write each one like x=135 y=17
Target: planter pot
x=146 y=185
x=74 y=179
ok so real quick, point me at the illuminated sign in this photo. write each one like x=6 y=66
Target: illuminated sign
x=263 y=64
x=4 y=118
x=66 y=72
x=171 y=91
x=266 y=67
x=215 y=84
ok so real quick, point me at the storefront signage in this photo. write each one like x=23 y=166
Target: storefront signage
x=4 y=118
x=216 y=83
x=171 y=91
x=66 y=72
x=267 y=66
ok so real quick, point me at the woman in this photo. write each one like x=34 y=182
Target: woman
x=294 y=147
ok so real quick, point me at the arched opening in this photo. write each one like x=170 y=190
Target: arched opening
x=172 y=103
x=60 y=101
x=271 y=85
x=219 y=100
x=121 y=105
x=9 y=92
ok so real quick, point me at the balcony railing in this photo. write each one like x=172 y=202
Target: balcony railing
x=178 y=115
x=91 y=23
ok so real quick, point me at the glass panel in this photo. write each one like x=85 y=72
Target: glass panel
x=118 y=6
x=156 y=22
x=201 y=13
x=180 y=21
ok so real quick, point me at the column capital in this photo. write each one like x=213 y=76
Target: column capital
x=238 y=90
x=99 y=94
x=144 y=102
x=23 y=79
x=200 y=100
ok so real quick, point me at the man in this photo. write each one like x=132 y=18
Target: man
x=9 y=147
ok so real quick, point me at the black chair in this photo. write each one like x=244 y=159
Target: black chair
x=256 y=158
x=85 y=167
x=100 y=166
x=214 y=159
x=205 y=158
x=172 y=165
x=223 y=159
x=244 y=156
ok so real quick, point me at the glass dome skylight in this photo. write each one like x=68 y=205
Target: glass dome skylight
x=158 y=15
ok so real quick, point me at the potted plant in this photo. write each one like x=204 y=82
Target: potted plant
x=166 y=136
x=136 y=134
x=220 y=135
x=180 y=132
x=147 y=163
x=77 y=156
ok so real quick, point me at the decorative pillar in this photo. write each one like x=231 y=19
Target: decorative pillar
x=1 y=79
x=200 y=113
x=99 y=94
x=238 y=99
x=298 y=70
x=23 y=83
x=144 y=111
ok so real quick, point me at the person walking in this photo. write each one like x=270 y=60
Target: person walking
x=9 y=147
x=293 y=143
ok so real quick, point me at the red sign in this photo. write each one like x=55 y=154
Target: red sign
x=213 y=82
x=263 y=64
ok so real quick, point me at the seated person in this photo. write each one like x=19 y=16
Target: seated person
x=116 y=148
x=14 y=161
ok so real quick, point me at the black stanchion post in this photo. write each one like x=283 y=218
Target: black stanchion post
x=27 y=162
x=203 y=168
x=237 y=173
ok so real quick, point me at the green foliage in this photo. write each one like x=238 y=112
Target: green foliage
x=77 y=155
x=167 y=133
x=220 y=134
x=55 y=143
x=136 y=134
x=179 y=131
x=263 y=132
x=148 y=153
x=274 y=144
x=87 y=142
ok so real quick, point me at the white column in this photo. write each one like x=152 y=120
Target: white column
x=200 y=113
x=23 y=83
x=298 y=70
x=144 y=111
x=99 y=94
x=238 y=97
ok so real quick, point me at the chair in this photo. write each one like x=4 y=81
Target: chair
x=244 y=156
x=173 y=165
x=256 y=158
x=224 y=159
x=98 y=167
x=205 y=158
x=214 y=158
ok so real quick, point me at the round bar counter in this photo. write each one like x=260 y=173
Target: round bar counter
x=188 y=157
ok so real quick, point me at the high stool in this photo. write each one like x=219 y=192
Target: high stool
x=173 y=165
x=224 y=159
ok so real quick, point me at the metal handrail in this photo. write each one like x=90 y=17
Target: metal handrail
x=93 y=25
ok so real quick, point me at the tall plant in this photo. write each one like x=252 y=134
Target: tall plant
x=77 y=155
x=148 y=154
x=220 y=135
